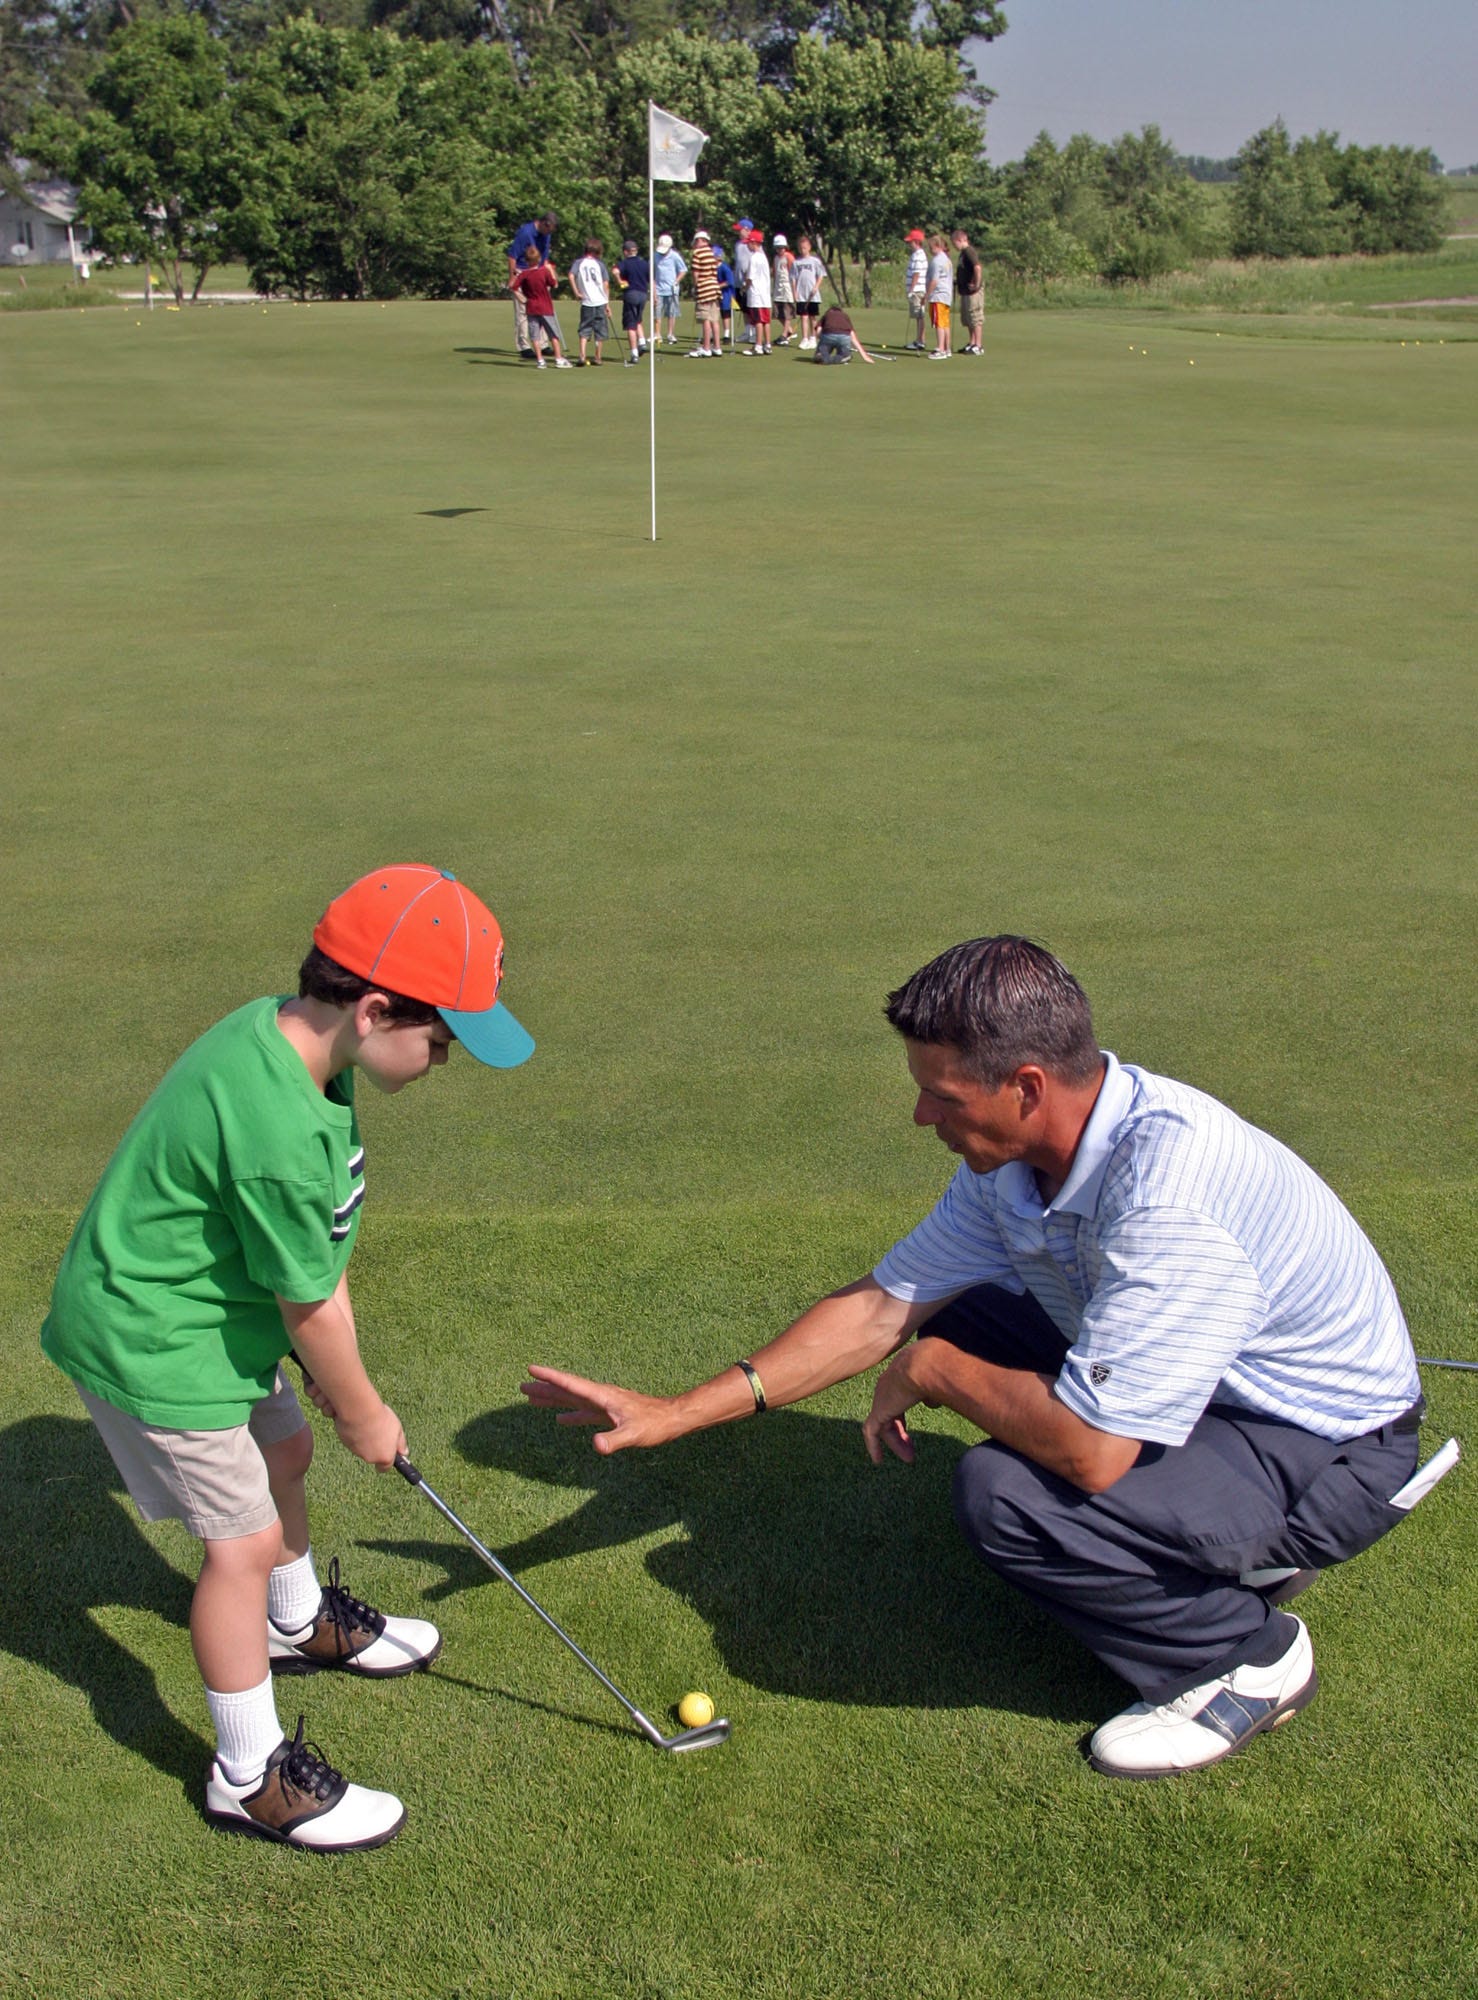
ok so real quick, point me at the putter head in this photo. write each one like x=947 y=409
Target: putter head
x=698 y=1739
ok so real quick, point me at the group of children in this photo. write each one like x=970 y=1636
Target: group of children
x=932 y=287
x=778 y=290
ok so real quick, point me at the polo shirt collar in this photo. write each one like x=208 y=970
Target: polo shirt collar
x=1080 y=1191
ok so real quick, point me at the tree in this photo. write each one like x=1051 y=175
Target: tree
x=1316 y=198
x=373 y=167
x=152 y=157
x=714 y=85
x=46 y=57
x=1392 y=197
x=1154 y=218
x=866 y=142
x=1283 y=204
x=1051 y=202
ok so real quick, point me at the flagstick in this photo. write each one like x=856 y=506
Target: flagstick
x=652 y=332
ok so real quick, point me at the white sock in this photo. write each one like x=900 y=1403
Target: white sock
x=293 y=1591
x=247 y=1730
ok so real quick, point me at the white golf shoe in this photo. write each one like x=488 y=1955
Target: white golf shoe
x=1208 y=1722
x=352 y=1636
x=302 y=1801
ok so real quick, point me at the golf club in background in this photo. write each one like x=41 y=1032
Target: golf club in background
x=687 y=1739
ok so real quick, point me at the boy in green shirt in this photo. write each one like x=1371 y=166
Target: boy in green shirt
x=215 y=1244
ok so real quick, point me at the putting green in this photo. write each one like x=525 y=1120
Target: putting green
x=1165 y=664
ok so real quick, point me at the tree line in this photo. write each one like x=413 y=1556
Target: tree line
x=342 y=160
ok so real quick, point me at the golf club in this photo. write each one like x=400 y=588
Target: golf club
x=1426 y=1361
x=687 y=1739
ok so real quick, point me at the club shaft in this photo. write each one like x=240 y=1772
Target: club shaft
x=646 y=1726
x=1427 y=1361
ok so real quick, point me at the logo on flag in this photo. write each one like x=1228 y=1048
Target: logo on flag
x=673 y=146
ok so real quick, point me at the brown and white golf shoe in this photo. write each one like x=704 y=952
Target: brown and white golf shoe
x=353 y=1637
x=300 y=1800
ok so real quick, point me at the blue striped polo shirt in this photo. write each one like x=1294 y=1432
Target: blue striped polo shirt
x=1189 y=1258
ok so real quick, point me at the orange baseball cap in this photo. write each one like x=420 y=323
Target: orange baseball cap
x=424 y=934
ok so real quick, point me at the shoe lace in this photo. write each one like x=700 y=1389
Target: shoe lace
x=346 y=1612
x=305 y=1771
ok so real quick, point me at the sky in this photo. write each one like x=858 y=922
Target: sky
x=1210 y=73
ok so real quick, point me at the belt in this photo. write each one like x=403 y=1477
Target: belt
x=1410 y=1420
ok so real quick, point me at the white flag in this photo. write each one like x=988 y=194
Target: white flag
x=672 y=146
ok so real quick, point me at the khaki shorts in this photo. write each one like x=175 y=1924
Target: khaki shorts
x=972 y=308
x=709 y=313
x=213 y=1481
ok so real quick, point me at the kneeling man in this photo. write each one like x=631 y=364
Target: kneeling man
x=1189 y=1362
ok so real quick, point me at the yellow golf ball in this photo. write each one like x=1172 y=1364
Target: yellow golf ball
x=694 y=1710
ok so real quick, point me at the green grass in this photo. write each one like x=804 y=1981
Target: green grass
x=1168 y=666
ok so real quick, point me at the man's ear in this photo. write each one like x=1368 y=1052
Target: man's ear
x=1031 y=1081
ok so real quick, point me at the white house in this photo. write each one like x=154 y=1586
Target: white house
x=36 y=225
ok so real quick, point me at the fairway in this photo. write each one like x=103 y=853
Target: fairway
x=1151 y=637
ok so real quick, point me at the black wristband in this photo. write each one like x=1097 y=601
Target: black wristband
x=760 y=1405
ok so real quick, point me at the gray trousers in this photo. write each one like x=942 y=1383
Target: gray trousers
x=1146 y=1574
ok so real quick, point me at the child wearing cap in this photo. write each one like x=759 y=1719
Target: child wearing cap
x=633 y=277
x=917 y=284
x=726 y=282
x=784 y=289
x=706 y=300
x=757 y=293
x=216 y=1244
x=743 y=232
x=670 y=268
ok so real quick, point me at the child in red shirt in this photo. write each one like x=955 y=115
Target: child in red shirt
x=537 y=281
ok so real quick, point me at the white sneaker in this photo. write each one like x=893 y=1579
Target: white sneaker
x=302 y=1801
x=352 y=1635
x=566 y=364
x=1208 y=1722
x=543 y=364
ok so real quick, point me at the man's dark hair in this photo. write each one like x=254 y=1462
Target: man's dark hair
x=549 y=222
x=1001 y=1002
x=323 y=978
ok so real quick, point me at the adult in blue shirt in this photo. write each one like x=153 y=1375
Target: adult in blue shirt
x=538 y=235
x=1189 y=1362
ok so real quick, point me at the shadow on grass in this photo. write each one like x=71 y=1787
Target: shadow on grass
x=436 y=1676
x=493 y=357
x=68 y=1548
x=820 y=1575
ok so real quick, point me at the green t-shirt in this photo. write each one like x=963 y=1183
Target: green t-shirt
x=238 y=1179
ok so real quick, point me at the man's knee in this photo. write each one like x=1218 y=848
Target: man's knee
x=997 y=1502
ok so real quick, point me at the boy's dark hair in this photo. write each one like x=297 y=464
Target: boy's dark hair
x=323 y=978
x=595 y=248
x=1000 y=1002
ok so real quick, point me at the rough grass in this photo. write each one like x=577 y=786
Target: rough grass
x=1166 y=666
x=57 y=298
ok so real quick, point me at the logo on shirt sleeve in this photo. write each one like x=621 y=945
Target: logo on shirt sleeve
x=1098 y=1373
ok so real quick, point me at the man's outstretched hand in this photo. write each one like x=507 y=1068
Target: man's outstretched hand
x=633 y=1419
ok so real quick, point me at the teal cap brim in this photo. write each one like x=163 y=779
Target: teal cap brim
x=493 y=1037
